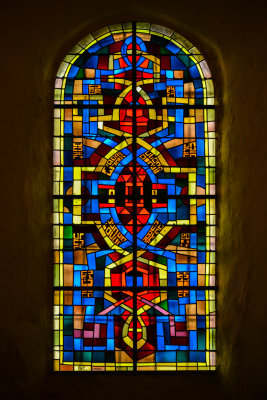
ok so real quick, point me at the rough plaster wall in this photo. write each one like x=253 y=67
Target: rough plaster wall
x=35 y=37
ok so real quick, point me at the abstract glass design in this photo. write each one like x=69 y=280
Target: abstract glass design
x=134 y=204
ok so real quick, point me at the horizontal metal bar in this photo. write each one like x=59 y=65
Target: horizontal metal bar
x=132 y=289
x=141 y=106
x=128 y=197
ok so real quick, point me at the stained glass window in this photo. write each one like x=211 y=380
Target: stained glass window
x=134 y=204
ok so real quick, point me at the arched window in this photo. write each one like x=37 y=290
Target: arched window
x=134 y=204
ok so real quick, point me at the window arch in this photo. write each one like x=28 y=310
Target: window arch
x=134 y=204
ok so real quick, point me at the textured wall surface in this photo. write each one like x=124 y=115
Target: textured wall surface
x=35 y=37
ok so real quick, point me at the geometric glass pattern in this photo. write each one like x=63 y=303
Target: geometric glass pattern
x=134 y=204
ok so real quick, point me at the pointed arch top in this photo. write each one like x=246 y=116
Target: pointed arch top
x=174 y=42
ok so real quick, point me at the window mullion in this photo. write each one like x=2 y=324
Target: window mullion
x=134 y=149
